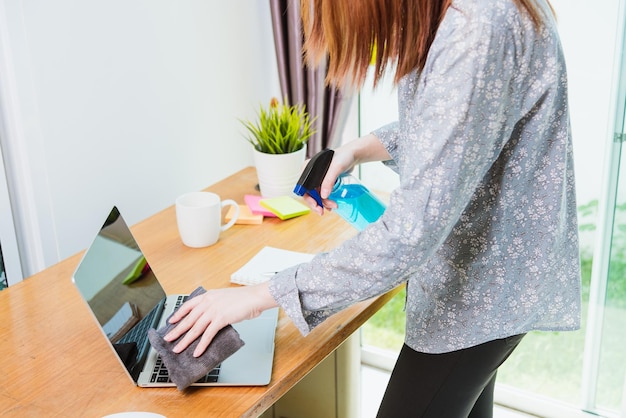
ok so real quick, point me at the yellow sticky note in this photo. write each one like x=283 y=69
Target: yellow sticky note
x=246 y=217
x=285 y=207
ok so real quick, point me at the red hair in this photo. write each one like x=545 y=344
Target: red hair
x=399 y=31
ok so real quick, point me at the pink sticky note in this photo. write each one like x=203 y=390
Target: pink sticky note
x=255 y=207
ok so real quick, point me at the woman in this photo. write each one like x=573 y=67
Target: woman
x=482 y=228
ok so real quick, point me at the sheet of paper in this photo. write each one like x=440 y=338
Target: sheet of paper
x=266 y=263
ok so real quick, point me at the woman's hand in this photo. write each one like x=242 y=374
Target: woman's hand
x=342 y=162
x=345 y=158
x=203 y=316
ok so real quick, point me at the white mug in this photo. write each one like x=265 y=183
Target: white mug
x=199 y=218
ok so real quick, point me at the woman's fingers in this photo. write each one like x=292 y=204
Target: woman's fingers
x=203 y=329
x=184 y=310
x=312 y=203
x=205 y=340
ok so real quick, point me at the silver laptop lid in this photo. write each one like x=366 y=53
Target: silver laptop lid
x=123 y=293
x=126 y=299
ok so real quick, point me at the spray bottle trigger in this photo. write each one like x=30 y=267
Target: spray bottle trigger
x=315 y=195
x=301 y=191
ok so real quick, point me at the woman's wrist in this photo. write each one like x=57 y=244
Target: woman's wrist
x=366 y=149
x=262 y=297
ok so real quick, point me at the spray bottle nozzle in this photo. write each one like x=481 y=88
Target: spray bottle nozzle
x=311 y=179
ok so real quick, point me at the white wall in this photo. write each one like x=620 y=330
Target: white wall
x=125 y=102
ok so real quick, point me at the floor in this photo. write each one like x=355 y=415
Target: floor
x=374 y=381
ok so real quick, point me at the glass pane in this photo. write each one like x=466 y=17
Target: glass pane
x=386 y=328
x=613 y=355
x=547 y=364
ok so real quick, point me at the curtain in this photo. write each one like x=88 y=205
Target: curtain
x=300 y=84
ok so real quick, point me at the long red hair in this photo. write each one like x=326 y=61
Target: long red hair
x=399 y=31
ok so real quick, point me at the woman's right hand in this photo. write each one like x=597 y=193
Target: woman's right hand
x=343 y=161
x=346 y=157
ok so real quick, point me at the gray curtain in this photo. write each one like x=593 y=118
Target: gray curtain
x=301 y=84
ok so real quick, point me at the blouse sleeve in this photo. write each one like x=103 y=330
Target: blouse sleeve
x=388 y=136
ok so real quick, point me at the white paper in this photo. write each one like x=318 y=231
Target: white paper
x=266 y=263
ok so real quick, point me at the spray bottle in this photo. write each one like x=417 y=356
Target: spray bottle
x=356 y=204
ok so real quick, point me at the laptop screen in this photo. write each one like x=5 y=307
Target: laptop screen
x=127 y=300
x=121 y=290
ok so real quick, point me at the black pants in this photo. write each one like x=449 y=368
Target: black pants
x=458 y=384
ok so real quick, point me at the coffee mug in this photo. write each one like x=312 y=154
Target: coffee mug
x=199 y=218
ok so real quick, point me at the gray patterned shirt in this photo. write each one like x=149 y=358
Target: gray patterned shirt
x=483 y=227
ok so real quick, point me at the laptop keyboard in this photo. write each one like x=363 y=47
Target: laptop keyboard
x=139 y=332
x=160 y=373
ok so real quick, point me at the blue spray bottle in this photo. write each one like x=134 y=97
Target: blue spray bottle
x=356 y=204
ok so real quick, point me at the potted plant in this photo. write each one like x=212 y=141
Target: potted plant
x=279 y=136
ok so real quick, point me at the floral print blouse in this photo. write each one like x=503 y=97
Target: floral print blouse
x=483 y=227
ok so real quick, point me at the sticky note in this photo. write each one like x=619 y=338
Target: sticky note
x=285 y=207
x=246 y=217
x=255 y=207
x=136 y=272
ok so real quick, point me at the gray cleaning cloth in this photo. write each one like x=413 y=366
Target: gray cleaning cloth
x=185 y=369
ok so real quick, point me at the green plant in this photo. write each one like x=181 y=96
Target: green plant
x=280 y=128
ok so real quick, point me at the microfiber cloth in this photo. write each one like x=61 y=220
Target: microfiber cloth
x=185 y=369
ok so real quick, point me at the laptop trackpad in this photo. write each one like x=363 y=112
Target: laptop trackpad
x=252 y=363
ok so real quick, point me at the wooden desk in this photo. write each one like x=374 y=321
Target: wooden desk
x=55 y=362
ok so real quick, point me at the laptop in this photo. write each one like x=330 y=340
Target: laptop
x=125 y=297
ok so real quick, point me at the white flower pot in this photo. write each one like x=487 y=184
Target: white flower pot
x=278 y=173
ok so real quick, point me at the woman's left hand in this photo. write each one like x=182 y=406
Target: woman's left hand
x=203 y=316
